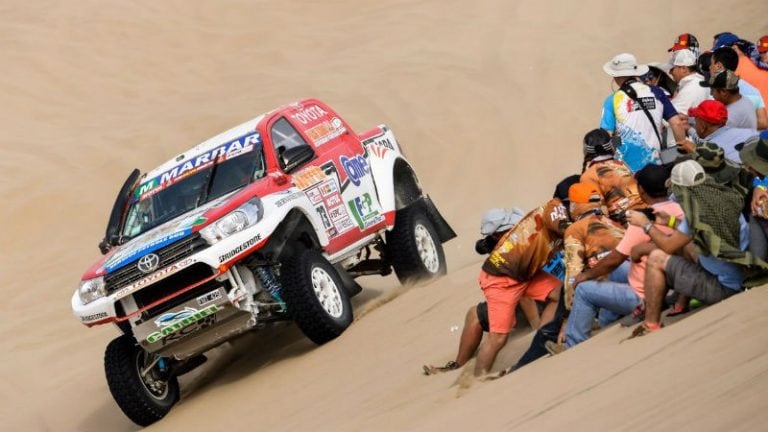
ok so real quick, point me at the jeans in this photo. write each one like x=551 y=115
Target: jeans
x=758 y=237
x=550 y=331
x=612 y=299
x=547 y=332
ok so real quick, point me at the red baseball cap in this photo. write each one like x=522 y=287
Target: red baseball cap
x=711 y=111
x=685 y=41
x=762 y=44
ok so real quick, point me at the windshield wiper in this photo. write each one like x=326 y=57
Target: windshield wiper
x=208 y=183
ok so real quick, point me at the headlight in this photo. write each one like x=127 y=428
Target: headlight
x=237 y=220
x=91 y=289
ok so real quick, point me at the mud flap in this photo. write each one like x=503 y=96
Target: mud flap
x=352 y=287
x=444 y=231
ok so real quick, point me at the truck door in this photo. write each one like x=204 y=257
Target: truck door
x=338 y=180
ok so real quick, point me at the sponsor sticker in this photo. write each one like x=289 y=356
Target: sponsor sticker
x=94 y=317
x=325 y=131
x=355 y=167
x=282 y=201
x=154 y=277
x=133 y=253
x=363 y=211
x=308 y=177
x=314 y=195
x=171 y=322
x=243 y=246
x=378 y=150
x=309 y=114
x=228 y=150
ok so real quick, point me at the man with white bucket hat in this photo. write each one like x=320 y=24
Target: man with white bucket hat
x=635 y=112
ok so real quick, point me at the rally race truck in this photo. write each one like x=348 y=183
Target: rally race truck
x=269 y=221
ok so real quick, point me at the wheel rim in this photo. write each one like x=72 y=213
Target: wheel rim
x=156 y=388
x=427 y=249
x=327 y=292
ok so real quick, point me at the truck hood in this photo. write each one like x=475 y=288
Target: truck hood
x=153 y=240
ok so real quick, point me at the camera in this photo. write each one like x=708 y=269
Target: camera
x=485 y=245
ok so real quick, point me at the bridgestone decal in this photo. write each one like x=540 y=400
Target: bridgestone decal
x=250 y=242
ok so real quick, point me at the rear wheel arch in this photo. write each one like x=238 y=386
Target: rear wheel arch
x=406 y=184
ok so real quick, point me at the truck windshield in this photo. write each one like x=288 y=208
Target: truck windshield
x=192 y=191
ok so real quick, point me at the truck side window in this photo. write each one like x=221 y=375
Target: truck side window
x=284 y=137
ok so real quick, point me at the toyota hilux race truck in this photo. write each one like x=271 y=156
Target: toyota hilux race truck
x=269 y=221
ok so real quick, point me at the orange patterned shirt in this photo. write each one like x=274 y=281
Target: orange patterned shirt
x=587 y=241
x=528 y=246
x=614 y=179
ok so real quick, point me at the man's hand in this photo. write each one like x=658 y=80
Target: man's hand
x=758 y=194
x=637 y=218
x=561 y=334
x=579 y=278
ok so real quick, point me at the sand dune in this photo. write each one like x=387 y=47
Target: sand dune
x=490 y=100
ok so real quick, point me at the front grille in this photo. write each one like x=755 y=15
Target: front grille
x=129 y=273
x=165 y=287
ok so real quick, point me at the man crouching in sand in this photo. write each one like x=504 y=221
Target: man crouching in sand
x=514 y=270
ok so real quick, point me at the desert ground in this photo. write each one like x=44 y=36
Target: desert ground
x=490 y=100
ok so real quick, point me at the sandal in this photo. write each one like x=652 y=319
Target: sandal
x=642 y=330
x=433 y=370
x=678 y=310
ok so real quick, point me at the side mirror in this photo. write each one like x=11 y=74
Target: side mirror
x=296 y=156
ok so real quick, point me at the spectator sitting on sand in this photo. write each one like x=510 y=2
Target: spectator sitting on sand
x=716 y=267
x=608 y=300
x=614 y=179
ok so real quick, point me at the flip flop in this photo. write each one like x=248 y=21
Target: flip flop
x=433 y=370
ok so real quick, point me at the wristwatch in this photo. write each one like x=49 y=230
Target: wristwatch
x=647 y=227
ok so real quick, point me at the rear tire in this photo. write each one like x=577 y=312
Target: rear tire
x=413 y=246
x=315 y=296
x=143 y=400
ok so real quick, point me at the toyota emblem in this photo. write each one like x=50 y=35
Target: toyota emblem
x=148 y=263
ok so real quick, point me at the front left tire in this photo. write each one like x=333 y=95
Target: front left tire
x=140 y=389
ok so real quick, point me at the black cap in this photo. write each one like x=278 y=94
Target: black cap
x=598 y=142
x=561 y=190
x=653 y=179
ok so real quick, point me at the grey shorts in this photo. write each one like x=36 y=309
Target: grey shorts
x=690 y=279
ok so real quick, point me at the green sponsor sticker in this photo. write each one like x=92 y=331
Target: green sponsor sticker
x=180 y=324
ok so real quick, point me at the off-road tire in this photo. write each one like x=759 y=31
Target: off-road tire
x=413 y=247
x=307 y=277
x=121 y=360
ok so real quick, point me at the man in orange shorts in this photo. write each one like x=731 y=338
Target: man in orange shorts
x=514 y=270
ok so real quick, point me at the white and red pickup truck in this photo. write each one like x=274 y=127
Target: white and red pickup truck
x=269 y=221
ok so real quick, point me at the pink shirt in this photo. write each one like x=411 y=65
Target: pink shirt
x=635 y=236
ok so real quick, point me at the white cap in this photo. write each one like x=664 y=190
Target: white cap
x=498 y=219
x=688 y=173
x=684 y=57
x=624 y=65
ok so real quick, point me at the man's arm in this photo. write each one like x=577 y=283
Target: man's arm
x=762 y=119
x=606 y=265
x=670 y=244
x=679 y=127
x=574 y=263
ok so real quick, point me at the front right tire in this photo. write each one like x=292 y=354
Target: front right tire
x=315 y=296
x=146 y=398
